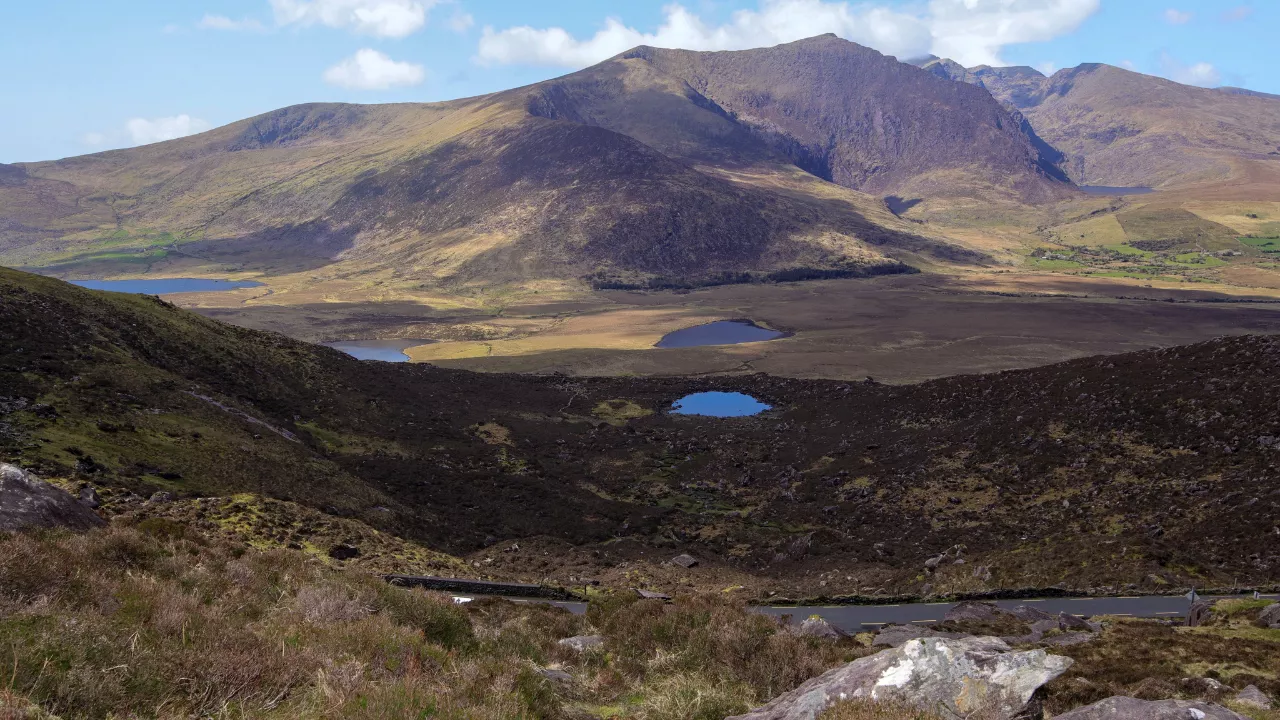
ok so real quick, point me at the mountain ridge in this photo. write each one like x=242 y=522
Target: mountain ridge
x=1116 y=127
x=283 y=191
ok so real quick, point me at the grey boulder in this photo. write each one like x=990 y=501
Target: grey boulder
x=1127 y=708
x=1253 y=697
x=818 y=627
x=1270 y=616
x=684 y=561
x=896 y=635
x=582 y=643
x=29 y=503
x=953 y=677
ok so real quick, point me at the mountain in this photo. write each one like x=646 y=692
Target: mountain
x=1152 y=469
x=1120 y=128
x=654 y=164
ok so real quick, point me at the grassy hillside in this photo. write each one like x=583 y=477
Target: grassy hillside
x=1144 y=471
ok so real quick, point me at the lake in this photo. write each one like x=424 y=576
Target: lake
x=721 y=332
x=1107 y=190
x=719 y=404
x=165 y=286
x=384 y=350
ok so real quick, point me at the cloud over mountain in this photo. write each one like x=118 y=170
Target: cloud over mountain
x=971 y=31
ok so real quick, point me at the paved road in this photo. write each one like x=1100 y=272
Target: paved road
x=856 y=618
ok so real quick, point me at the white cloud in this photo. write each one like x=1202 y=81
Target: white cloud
x=461 y=21
x=1047 y=68
x=1238 y=13
x=143 y=131
x=221 y=22
x=1177 y=17
x=971 y=32
x=381 y=18
x=1129 y=65
x=372 y=70
x=93 y=139
x=1202 y=74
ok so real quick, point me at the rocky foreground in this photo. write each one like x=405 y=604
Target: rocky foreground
x=148 y=613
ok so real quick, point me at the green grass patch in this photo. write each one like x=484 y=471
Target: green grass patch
x=1199 y=259
x=1128 y=250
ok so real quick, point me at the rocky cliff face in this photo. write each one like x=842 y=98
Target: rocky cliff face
x=864 y=120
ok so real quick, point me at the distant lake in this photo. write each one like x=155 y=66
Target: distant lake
x=165 y=286
x=384 y=350
x=721 y=332
x=719 y=404
x=1107 y=190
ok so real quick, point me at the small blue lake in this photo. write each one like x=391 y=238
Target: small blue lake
x=721 y=332
x=165 y=286
x=719 y=404
x=384 y=350
x=1107 y=190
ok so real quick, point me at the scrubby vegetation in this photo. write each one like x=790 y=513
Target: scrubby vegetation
x=135 y=621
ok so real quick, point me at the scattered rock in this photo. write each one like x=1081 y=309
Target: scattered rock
x=1270 y=616
x=557 y=676
x=1127 y=708
x=1068 y=622
x=27 y=503
x=818 y=627
x=344 y=552
x=651 y=595
x=956 y=677
x=582 y=643
x=972 y=611
x=161 y=498
x=1205 y=688
x=1067 y=639
x=684 y=561
x=1199 y=613
x=1029 y=614
x=1253 y=697
x=89 y=496
x=983 y=573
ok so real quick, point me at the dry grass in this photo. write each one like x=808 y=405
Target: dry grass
x=123 y=623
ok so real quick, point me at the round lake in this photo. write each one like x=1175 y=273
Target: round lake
x=384 y=350
x=719 y=404
x=165 y=286
x=721 y=332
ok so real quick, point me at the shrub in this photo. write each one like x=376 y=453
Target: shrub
x=691 y=697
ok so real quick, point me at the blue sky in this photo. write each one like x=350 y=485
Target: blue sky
x=81 y=76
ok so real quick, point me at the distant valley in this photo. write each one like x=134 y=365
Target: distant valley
x=521 y=229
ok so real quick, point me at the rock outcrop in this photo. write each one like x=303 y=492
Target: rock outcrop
x=953 y=677
x=29 y=503
x=1127 y=708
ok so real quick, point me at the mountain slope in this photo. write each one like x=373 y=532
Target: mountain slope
x=642 y=145
x=1161 y=463
x=1120 y=128
x=864 y=120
